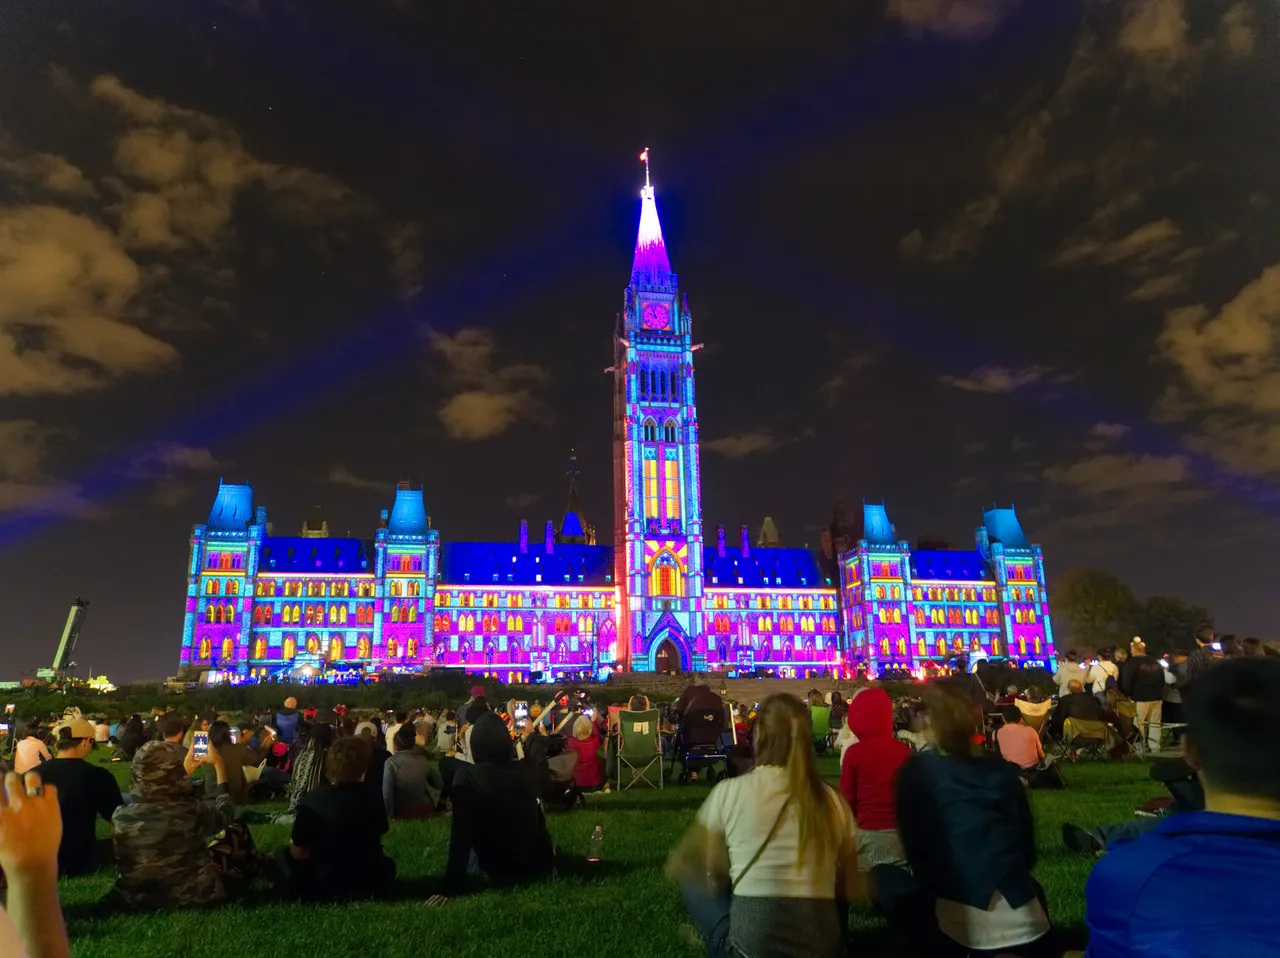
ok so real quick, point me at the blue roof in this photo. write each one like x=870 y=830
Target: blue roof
x=299 y=554
x=762 y=568
x=949 y=565
x=1003 y=525
x=572 y=525
x=876 y=527
x=232 y=509
x=477 y=563
x=409 y=514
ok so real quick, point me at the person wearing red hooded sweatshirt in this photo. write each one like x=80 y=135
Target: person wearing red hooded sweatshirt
x=866 y=777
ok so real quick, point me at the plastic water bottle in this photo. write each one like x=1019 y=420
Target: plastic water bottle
x=595 y=848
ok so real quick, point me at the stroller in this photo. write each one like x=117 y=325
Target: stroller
x=700 y=740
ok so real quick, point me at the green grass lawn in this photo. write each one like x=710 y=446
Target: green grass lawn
x=631 y=912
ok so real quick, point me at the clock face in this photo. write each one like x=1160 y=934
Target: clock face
x=657 y=316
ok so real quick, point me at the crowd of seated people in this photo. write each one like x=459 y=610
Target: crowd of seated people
x=932 y=825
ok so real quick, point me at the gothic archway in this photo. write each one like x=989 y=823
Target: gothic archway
x=666 y=657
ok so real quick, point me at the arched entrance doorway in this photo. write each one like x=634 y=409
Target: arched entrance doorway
x=666 y=658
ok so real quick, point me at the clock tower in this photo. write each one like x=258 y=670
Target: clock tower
x=657 y=505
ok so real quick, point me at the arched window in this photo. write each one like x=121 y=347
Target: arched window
x=362 y=647
x=664 y=580
x=413 y=614
x=1036 y=644
x=416 y=587
x=225 y=562
x=393 y=649
x=228 y=649
x=211 y=587
x=206 y=648
x=260 y=649
x=897 y=615
x=650 y=431
x=995 y=646
x=289 y=648
x=229 y=611
x=922 y=647
x=210 y=612
x=644 y=382
x=669 y=431
x=394 y=588
x=233 y=587
x=335 y=648
x=902 y=647
x=1022 y=645
x=395 y=613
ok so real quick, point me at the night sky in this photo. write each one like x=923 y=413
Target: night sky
x=941 y=253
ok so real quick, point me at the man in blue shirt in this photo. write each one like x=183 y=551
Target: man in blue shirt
x=1203 y=884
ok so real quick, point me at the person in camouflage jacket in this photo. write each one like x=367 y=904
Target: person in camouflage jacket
x=161 y=840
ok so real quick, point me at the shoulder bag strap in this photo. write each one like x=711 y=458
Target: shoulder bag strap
x=763 y=845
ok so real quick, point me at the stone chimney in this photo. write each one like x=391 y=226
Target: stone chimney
x=746 y=542
x=524 y=536
x=720 y=541
x=551 y=537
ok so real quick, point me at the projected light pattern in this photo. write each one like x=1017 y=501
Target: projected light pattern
x=906 y=607
x=261 y=607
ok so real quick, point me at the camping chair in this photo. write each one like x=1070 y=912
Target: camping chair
x=639 y=746
x=700 y=738
x=820 y=716
x=1089 y=737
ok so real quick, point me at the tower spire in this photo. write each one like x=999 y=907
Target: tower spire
x=651 y=262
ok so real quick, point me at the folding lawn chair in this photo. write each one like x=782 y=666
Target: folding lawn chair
x=820 y=716
x=639 y=746
x=1088 y=737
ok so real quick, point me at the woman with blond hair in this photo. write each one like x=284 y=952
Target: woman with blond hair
x=771 y=859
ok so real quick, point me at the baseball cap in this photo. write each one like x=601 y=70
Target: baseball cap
x=78 y=728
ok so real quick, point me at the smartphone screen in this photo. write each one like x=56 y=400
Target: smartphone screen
x=235 y=735
x=200 y=745
x=522 y=709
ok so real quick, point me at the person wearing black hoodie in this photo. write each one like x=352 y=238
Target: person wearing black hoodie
x=497 y=825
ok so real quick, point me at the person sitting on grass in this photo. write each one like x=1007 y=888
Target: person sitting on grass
x=970 y=842
x=1185 y=795
x=1020 y=744
x=1202 y=883
x=161 y=839
x=404 y=777
x=498 y=828
x=85 y=791
x=771 y=859
x=335 y=849
x=30 y=749
x=867 y=773
x=236 y=756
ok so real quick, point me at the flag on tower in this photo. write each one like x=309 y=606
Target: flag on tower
x=644 y=157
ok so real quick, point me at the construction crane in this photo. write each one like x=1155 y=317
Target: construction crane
x=62 y=662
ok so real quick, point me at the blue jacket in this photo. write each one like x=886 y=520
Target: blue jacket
x=1199 y=885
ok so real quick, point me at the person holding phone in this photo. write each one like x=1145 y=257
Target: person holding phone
x=1203 y=658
